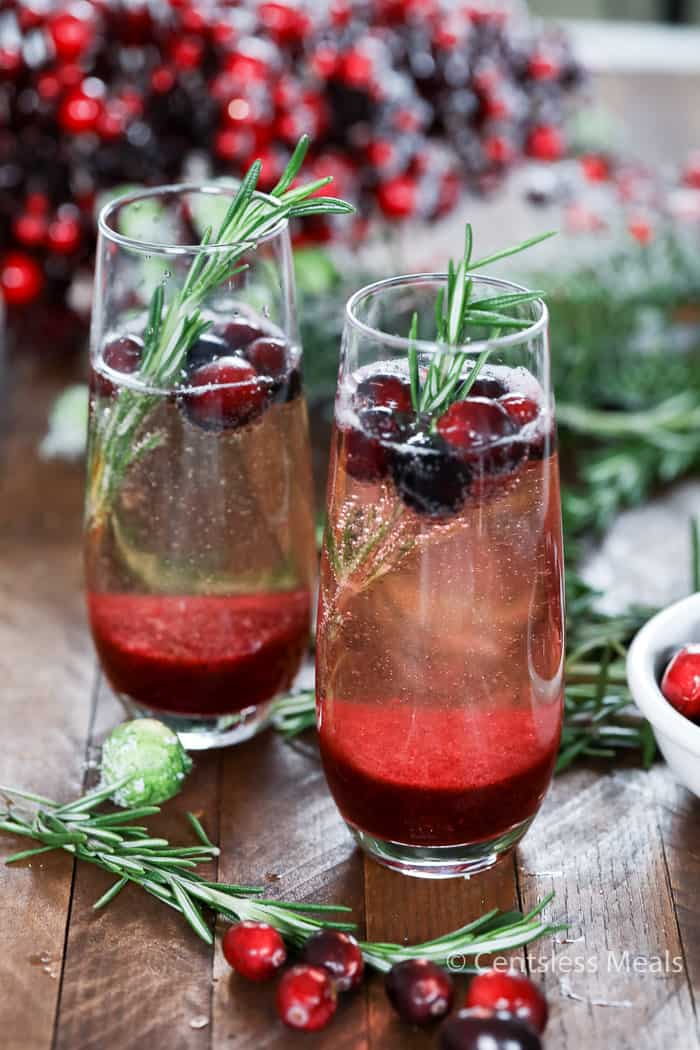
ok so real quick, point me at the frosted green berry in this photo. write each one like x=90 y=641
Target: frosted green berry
x=152 y=755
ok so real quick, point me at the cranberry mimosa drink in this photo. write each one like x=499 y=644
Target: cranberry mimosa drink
x=440 y=636
x=199 y=539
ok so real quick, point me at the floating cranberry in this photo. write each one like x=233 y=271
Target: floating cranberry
x=121 y=355
x=71 y=35
x=385 y=391
x=239 y=332
x=208 y=348
x=478 y=1030
x=512 y=993
x=365 y=456
x=545 y=142
x=487 y=386
x=268 y=356
x=474 y=423
x=306 y=998
x=225 y=393
x=254 y=950
x=21 y=279
x=681 y=682
x=419 y=990
x=339 y=953
x=429 y=478
x=520 y=408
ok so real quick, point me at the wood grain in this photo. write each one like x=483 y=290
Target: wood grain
x=46 y=671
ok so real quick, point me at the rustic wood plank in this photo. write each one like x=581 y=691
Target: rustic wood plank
x=47 y=670
x=598 y=844
x=411 y=910
x=278 y=821
x=134 y=973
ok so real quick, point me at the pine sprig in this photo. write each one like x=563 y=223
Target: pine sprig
x=456 y=314
x=173 y=328
x=112 y=841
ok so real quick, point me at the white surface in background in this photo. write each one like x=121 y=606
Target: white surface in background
x=634 y=47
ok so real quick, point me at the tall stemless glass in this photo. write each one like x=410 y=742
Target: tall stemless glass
x=199 y=531
x=440 y=631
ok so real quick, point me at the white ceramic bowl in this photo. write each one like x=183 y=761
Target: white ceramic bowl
x=677 y=737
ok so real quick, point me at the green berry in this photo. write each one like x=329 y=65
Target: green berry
x=152 y=755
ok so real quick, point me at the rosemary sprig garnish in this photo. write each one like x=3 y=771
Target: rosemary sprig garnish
x=174 y=327
x=113 y=841
x=457 y=312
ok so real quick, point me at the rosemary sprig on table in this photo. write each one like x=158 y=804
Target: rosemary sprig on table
x=456 y=313
x=174 y=327
x=115 y=842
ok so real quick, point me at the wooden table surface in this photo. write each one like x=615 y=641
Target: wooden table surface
x=621 y=848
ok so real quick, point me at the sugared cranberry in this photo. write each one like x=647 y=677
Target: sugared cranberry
x=268 y=356
x=306 y=998
x=71 y=35
x=239 y=332
x=385 y=391
x=478 y=1030
x=80 y=112
x=64 y=234
x=429 y=478
x=681 y=682
x=471 y=424
x=419 y=990
x=21 y=279
x=339 y=953
x=254 y=950
x=512 y=993
x=398 y=198
x=122 y=355
x=520 y=408
x=595 y=167
x=545 y=143
x=226 y=393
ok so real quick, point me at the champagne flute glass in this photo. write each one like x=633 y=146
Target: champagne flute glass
x=440 y=630
x=199 y=530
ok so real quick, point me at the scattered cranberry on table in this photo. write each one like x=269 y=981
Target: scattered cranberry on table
x=254 y=950
x=477 y=1029
x=339 y=953
x=419 y=990
x=306 y=997
x=499 y=990
x=681 y=682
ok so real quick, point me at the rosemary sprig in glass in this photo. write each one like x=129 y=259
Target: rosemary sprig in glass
x=118 y=843
x=174 y=327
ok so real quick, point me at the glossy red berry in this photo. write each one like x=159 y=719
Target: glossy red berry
x=477 y=1029
x=121 y=355
x=254 y=950
x=239 y=333
x=268 y=356
x=419 y=990
x=339 y=953
x=470 y=425
x=543 y=66
x=545 y=142
x=29 y=229
x=306 y=998
x=21 y=279
x=398 y=198
x=385 y=391
x=224 y=393
x=71 y=35
x=80 y=111
x=681 y=682
x=365 y=456
x=520 y=408
x=595 y=167
x=512 y=993
x=64 y=235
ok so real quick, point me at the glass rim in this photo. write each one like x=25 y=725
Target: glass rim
x=431 y=345
x=108 y=210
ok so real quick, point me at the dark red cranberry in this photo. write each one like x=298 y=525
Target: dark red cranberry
x=208 y=348
x=122 y=355
x=398 y=198
x=254 y=950
x=365 y=456
x=339 y=953
x=478 y=1030
x=681 y=682
x=429 y=478
x=419 y=990
x=227 y=393
x=385 y=391
x=268 y=356
x=545 y=143
x=306 y=998
x=293 y=385
x=520 y=408
x=21 y=279
x=542 y=445
x=239 y=332
x=472 y=424
x=512 y=993
x=487 y=386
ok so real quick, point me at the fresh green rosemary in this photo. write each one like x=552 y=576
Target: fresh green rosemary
x=173 y=328
x=114 y=842
x=456 y=313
